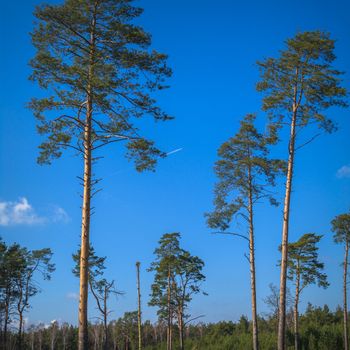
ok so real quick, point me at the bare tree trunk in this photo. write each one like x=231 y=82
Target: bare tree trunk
x=83 y=342
x=296 y=312
x=40 y=339
x=85 y=231
x=6 y=317
x=252 y=266
x=285 y=231
x=139 y=305
x=20 y=313
x=181 y=330
x=105 y=325
x=32 y=339
x=169 y=329
x=345 y=311
x=20 y=330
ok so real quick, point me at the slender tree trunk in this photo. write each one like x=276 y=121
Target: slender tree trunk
x=6 y=317
x=83 y=342
x=252 y=266
x=105 y=325
x=139 y=304
x=85 y=231
x=296 y=312
x=345 y=311
x=40 y=339
x=181 y=329
x=20 y=313
x=285 y=231
x=32 y=341
x=20 y=330
x=169 y=328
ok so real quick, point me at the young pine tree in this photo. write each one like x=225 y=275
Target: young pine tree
x=299 y=86
x=304 y=269
x=178 y=276
x=100 y=288
x=162 y=288
x=245 y=175
x=341 y=229
x=99 y=77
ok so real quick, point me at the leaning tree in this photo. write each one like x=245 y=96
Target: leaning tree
x=99 y=77
x=298 y=87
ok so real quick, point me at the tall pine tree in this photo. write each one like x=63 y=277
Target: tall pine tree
x=298 y=87
x=99 y=76
x=246 y=175
x=341 y=229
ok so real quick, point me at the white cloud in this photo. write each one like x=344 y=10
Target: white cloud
x=18 y=213
x=59 y=215
x=21 y=212
x=343 y=172
x=72 y=295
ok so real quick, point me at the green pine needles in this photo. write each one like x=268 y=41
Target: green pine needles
x=89 y=51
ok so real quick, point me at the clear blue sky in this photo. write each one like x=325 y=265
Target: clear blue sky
x=212 y=47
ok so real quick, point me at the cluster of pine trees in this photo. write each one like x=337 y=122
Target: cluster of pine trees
x=320 y=329
x=99 y=77
x=20 y=269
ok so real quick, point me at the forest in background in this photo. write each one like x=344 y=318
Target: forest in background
x=99 y=74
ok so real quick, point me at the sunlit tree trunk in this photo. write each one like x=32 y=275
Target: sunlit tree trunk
x=83 y=342
x=181 y=328
x=139 y=306
x=169 y=328
x=345 y=311
x=296 y=312
x=252 y=265
x=285 y=229
x=105 y=324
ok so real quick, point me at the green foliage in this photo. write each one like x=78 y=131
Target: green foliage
x=20 y=269
x=341 y=228
x=182 y=270
x=244 y=169
x=303 y=263
x=302 y=81
x=96 y=264
x=90 y=52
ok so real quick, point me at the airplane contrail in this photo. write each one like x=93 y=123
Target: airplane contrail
x=174 y=151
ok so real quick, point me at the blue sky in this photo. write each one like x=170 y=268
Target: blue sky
x=212 y=48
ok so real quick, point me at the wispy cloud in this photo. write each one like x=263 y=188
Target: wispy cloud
x=174 y=151
x=59 y=215
x=21 y=212
x=343 y=172
x=72 y=295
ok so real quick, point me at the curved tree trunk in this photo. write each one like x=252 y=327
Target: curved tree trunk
x=345 y=311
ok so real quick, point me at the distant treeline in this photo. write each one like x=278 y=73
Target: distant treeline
x=320 y=329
